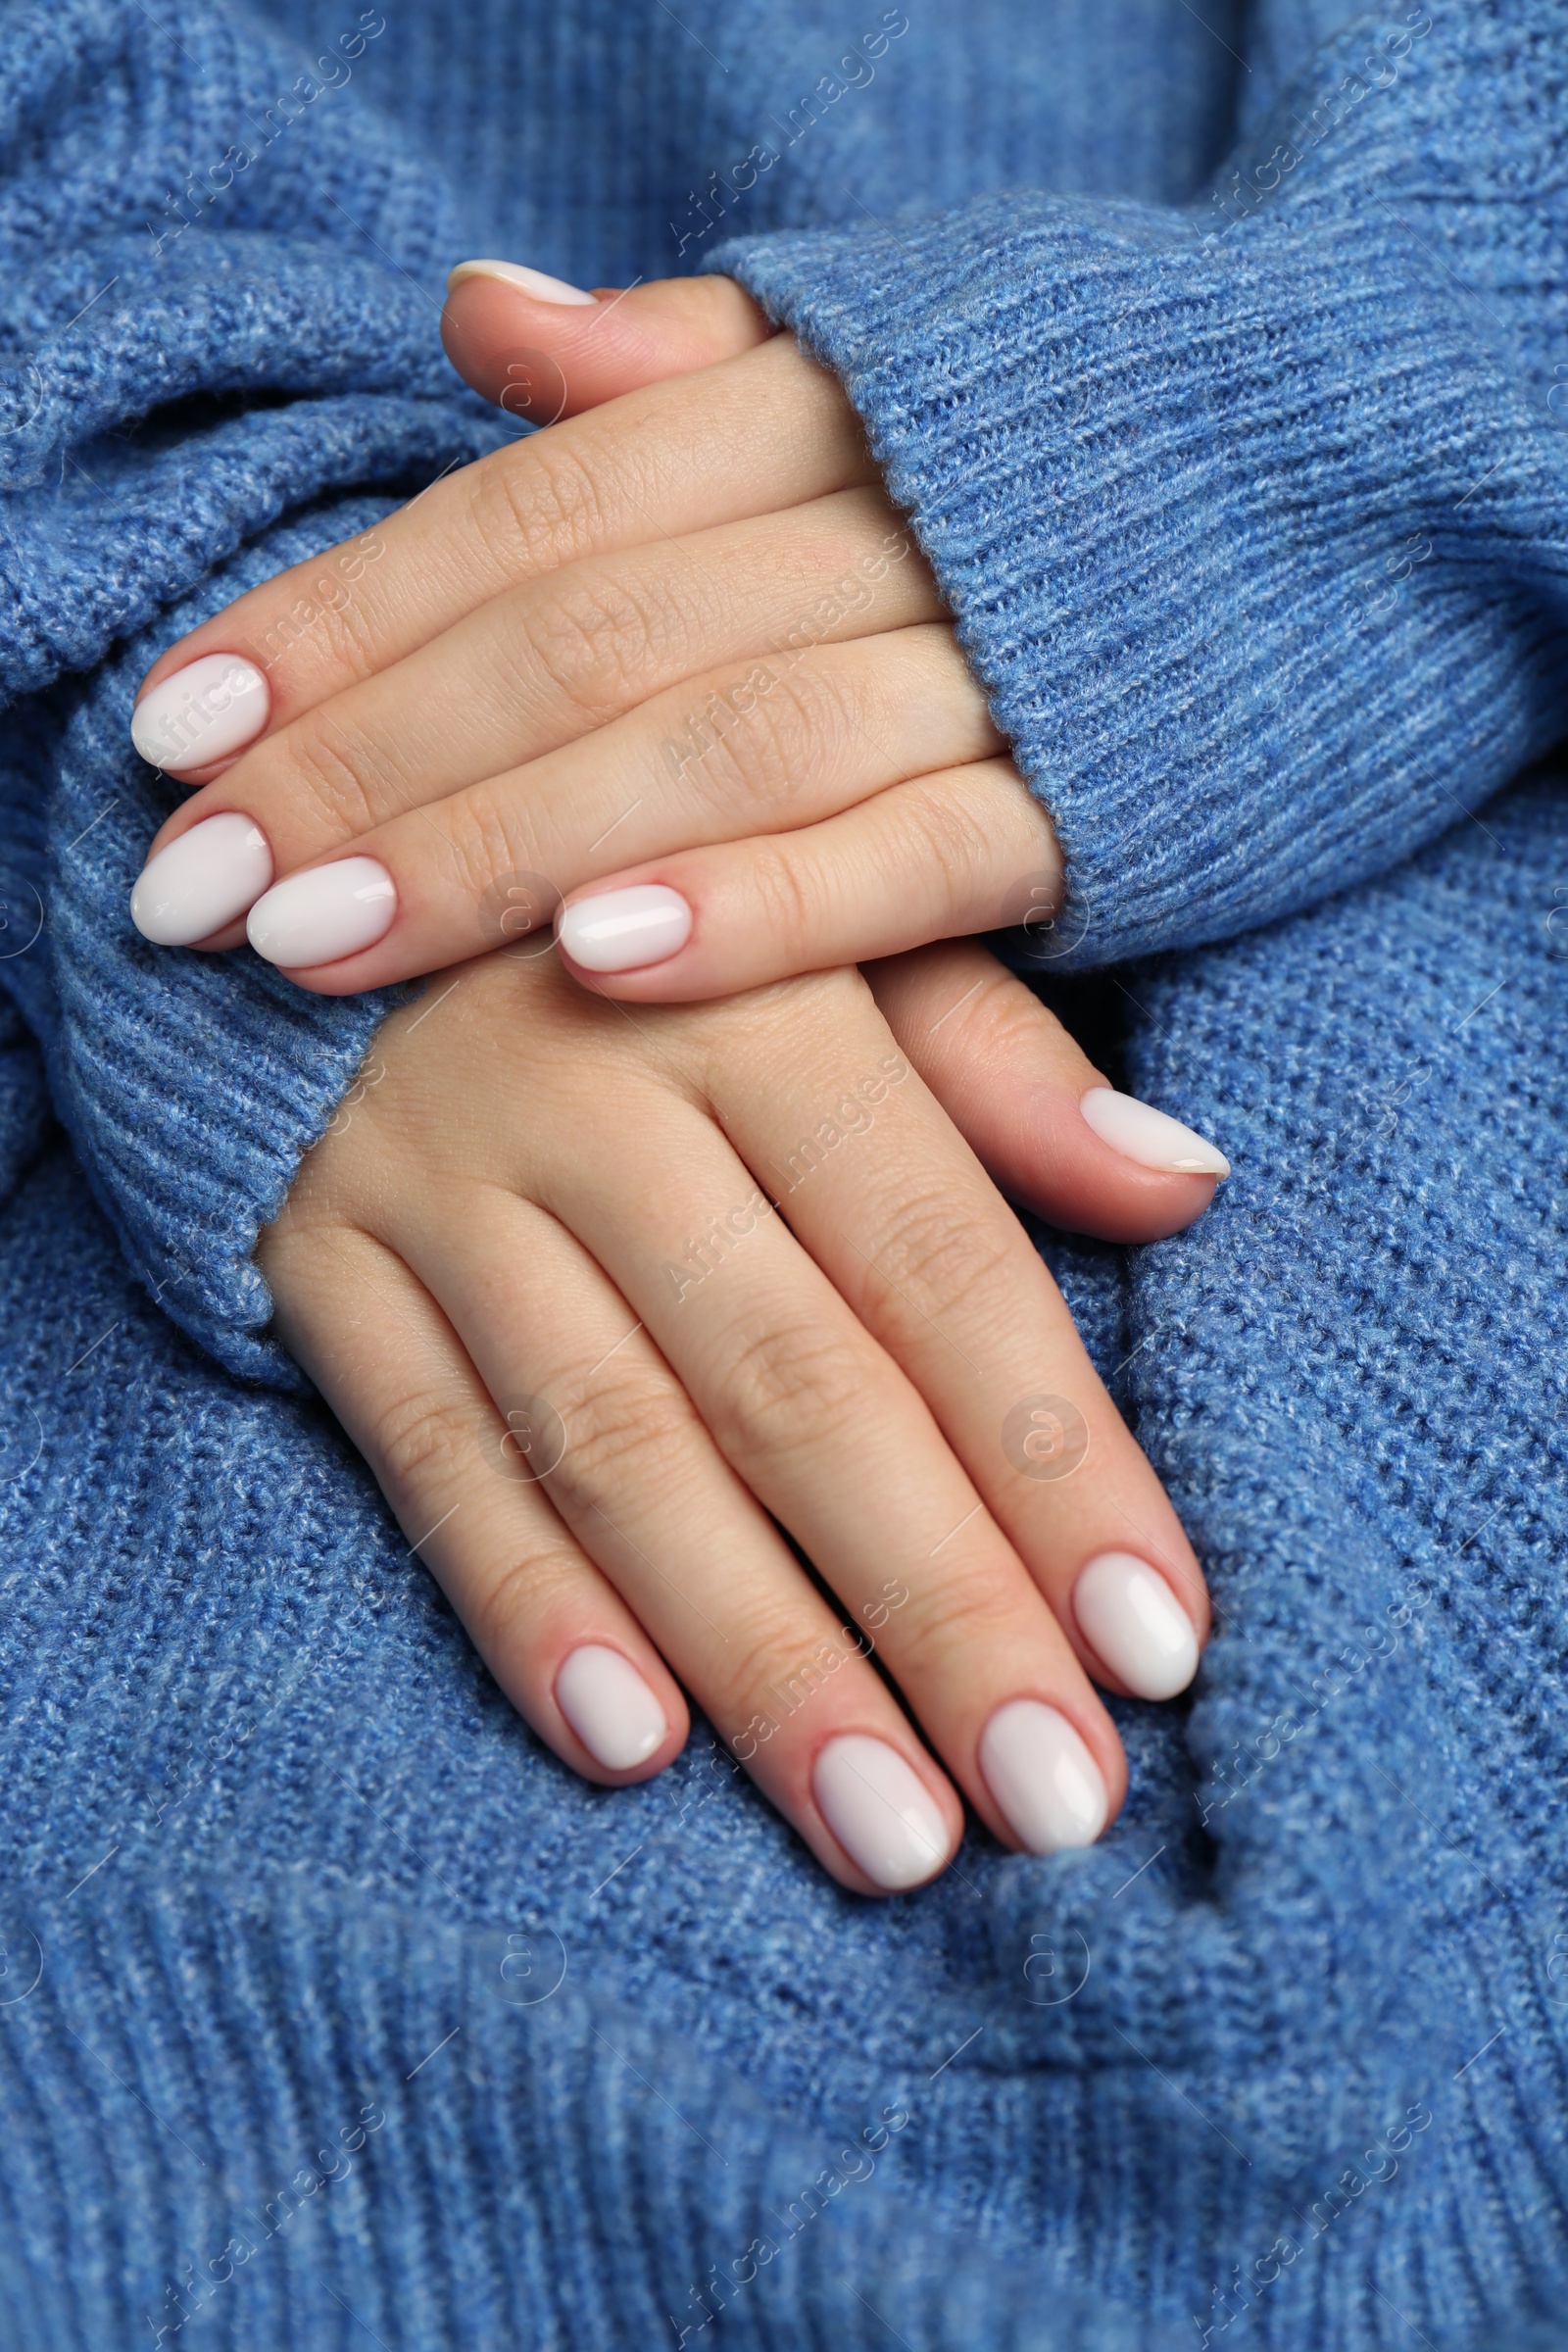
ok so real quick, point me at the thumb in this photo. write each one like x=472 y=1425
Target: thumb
x=543 y=349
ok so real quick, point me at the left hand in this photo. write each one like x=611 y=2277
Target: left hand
x=679 y=646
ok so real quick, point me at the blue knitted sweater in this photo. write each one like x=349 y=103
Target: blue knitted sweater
x=1221 y=357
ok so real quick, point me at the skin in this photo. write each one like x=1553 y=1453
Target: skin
x=519 y=682
x=496 y=691
x=844 y=1360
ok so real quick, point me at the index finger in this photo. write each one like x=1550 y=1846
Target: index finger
x=754 y=435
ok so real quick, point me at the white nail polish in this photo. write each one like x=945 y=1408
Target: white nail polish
x=1043 y=1777
x=880 y=1811
x=211 y=707
x=201 y=881
x=1155 y=1139
x=622 y=930
x=1129 y=1615
x=610 y=1707
x=536 y=282
x=325 y=914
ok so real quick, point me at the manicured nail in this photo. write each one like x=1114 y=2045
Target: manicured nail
x=328 y=912
x=622 y=930
x=526 y=280
x=1156 y=1141
x=201 y=881
x=204 y=711
x=610 y=1707
x=1043 y=1777
x=1128 y=1613
x=880 y=1811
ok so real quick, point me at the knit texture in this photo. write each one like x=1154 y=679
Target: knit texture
x=329 y=2002
x=1253 y=512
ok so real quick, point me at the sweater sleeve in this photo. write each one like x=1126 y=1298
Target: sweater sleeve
x=219 y=292
x=1253 y=513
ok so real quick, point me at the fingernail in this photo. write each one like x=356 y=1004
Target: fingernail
x=211 y=707
x=1128 y=1613
x=621 y=930
x=201 y=881
x=610 y=1707
x=879 y=1810
x=526 y=280
x=1043 y=1777
x=1156 y=1141
x=318 y=916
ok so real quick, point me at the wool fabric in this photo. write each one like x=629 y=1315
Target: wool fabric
x=1220 y=359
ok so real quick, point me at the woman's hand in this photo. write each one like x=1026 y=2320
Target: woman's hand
x=680 y=646
x=598 y=1292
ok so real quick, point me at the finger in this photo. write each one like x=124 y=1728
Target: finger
x=638 y=1480
x=756 y=435
x=832 y=1436
x=560 y=1641
x=542 y=350
x=1018 y=1089
x=544 y=666
x=932 y=858
x=897 y=1211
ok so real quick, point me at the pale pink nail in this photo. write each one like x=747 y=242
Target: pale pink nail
x=610 y=1707
x=212 y=707
x=623 y=930
x=1151 y=1136
x=1128 y=1613
x=536 y=282
x=324 y=913
x=201 y=881
x=1041 y=1775
x=880 y=1811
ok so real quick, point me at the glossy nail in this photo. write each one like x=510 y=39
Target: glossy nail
x=610 y=1707
x=880 y=1811
x=1043 y=1777
x=1129 y=1615
x=325 y=914
x=527 y=281
x=1138 y=1131
x=201 y=881
x=211 y=707
x=622 y=930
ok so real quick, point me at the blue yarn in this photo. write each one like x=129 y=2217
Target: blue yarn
x=329 y=2002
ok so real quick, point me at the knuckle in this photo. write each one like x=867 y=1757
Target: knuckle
x=600 y=637
x=503 y=1612
x=946 y=833
x=325 y=771
x=486 y=834
x=789 y=1387
x=536 y=506
x=965 y=1614
x=632 y=1428
x=785 y=908
x=792 y=734
x=320 y=618
x=768 y=1650
x=426 y=1439
x=939 y=1250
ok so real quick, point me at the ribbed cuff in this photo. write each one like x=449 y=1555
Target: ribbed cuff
x=1230 y=503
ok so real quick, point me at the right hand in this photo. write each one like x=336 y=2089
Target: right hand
x=537 y=1272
